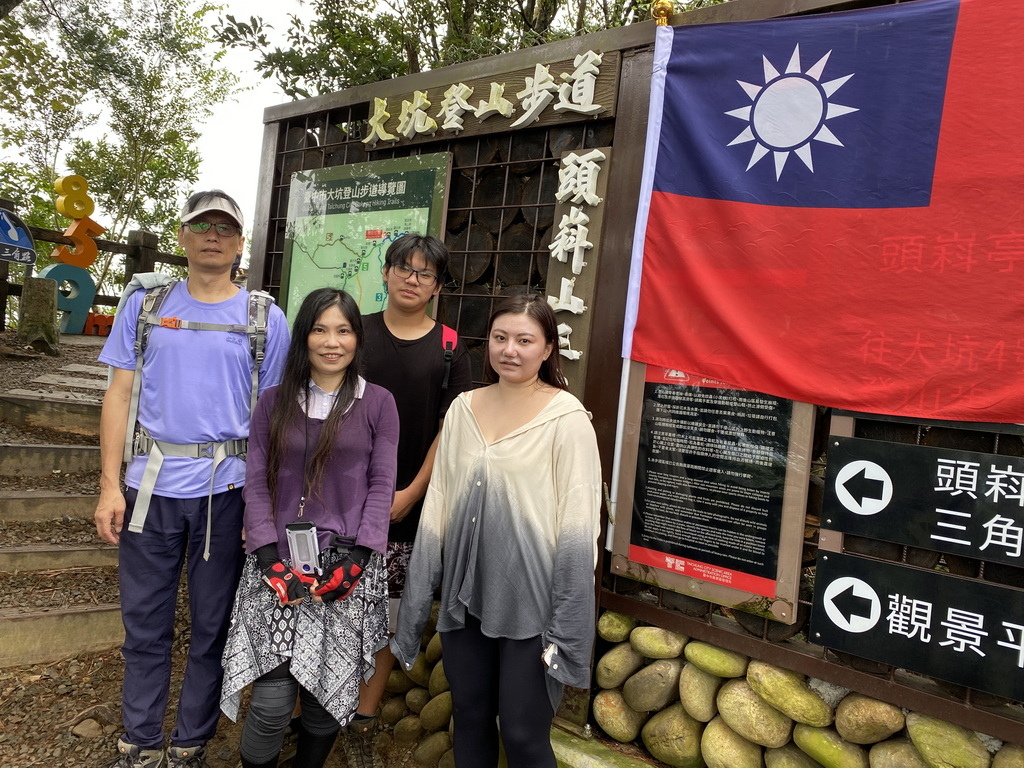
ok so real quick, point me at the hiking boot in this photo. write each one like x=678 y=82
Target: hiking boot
x=187 y=757
x=357 y=741
x=131 y=756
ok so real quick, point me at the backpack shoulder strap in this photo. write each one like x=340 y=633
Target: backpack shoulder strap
x=259 y=311
x=149 y=315
x=449 y=340
x=149 y=312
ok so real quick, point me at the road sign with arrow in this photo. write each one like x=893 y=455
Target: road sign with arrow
x=959 y=502
x=16 y=242
x=967 y=632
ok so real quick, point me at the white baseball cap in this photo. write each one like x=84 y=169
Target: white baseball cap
x=214 y=200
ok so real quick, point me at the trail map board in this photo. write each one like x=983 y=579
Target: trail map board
x=342 y=220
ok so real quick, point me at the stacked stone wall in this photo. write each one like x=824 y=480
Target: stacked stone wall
x=418 y=705
x=691 y=704
x=694 y=705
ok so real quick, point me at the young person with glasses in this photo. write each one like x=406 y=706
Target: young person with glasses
x=193 y=414
x=405 y=355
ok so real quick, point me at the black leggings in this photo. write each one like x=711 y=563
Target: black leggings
x=493 y=678
x=270 y=711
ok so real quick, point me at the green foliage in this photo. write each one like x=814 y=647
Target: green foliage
x=344 y=43
x=115 y=91
x=41 y=114
x=146 y=204
x=6 y=6
x=352 y=42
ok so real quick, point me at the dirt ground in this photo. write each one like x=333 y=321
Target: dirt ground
x=67 y=715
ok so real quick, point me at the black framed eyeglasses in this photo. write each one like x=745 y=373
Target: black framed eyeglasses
x=422 y=276
x=224 y=230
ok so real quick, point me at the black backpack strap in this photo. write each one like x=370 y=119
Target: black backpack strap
x=449 y=340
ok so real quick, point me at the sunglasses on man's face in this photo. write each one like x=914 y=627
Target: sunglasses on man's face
x=224 y=230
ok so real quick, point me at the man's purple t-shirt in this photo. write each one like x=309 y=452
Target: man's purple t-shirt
x=196 y=385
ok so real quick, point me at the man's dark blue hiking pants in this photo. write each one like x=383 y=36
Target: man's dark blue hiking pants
x=149 y=566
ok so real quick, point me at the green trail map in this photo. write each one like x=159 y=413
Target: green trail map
x=347 y=251
x=342 y=220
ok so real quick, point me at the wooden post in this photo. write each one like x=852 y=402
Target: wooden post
x=37 y=315
x=143 y=255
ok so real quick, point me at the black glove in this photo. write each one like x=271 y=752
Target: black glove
x=340 y=578
x=288 y=585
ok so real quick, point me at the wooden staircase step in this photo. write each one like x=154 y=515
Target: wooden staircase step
x=25 y=506
x=92 y=370
x=35 y=460
x=65 y=577
x=94 y=399
x=49 y=557
x=76 y=382
x=40 y=637
x=38 y=409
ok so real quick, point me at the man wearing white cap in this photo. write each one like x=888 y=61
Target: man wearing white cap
x=207 y=348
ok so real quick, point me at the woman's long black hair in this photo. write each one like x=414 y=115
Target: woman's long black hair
x=295 y=380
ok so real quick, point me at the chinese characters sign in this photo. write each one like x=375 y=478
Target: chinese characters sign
x=16 y=242
x=958 y=502
x=574 y=248
x=582 y=88
x=967 y=632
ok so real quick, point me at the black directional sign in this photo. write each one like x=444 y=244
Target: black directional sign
x=967 y=632
x=16 y=242
x=960 y=502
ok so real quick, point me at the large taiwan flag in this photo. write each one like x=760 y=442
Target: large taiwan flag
x=833 y=209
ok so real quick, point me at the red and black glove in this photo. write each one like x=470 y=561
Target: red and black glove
x=341 y=578
x=286 y=583
x=289 y=585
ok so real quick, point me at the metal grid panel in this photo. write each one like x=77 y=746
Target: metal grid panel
x=500 y=214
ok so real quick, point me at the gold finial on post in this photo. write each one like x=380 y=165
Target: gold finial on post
x=661 y=10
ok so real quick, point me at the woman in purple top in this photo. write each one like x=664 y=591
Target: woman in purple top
x=311 y=609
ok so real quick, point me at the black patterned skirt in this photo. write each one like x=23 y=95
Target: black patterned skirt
x=331 y=646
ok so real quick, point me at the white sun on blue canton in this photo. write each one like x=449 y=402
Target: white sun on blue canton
x=789 y=112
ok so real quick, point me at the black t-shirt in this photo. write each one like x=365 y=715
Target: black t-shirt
x=412 y=371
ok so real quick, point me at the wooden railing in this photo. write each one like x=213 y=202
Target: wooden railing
x=140 y=255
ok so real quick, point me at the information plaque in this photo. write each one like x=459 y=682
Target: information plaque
x=718 y=493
